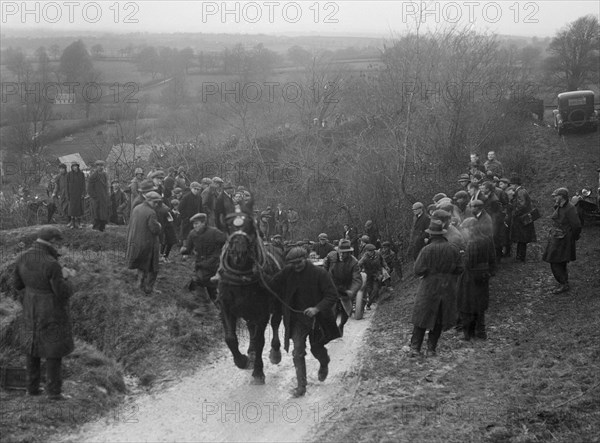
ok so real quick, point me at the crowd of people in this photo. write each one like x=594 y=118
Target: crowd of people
x=457 y=244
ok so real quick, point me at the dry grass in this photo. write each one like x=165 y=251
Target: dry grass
x=118 y=329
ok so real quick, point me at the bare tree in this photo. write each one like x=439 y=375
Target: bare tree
x=575 y=54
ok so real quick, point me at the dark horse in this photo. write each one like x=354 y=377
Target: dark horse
x=245 y=270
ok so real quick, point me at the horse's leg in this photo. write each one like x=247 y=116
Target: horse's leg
x=229 y=323
x=275 y=353
x=251 y=326
x=258 y=375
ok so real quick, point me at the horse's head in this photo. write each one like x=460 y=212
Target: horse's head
x=241 y=249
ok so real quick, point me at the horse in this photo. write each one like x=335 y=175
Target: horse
x=245 y=270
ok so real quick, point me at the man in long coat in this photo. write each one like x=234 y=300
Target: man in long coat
x=418 y=234
x=60 y=191
x=225 y=205
x=474 y=291
x=143 y=242
x=521 y=233
x=309 y=298
x=190 y=205
x=438 y=264
x=99 y=197
x=345 y=273
x=46 y=331
x=75 y=194
x=565 y=231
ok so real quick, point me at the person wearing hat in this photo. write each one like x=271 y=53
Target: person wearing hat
x=364 y=241
x=563 y=235
x=437 y=197
x=308 y=300
x=206 y=243
x=75 y=195
x=277 y=248
x=225 y=205
x=118 y=203
x=463 y=181
x=483 y=218
x=169 y=183
x=419 y=225
x=46 y=328
x=143 y=241
x=493 y=207
x=210 y=192
x=434 y=309
x=181 y=179
x=157 y=178
x=323 y=247
x=372 y=264
x=144 y=187
x=99 y=197
x=461 y=199
x=59 y=196
x=474 y=288
x=390 y=255
x=475 y=165
x=282 y=225
x=134 y=186
x=345 y=273
x=521 y=232
x=493 y=166
x=189 y=205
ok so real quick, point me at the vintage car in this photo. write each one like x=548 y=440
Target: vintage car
x=575 y=111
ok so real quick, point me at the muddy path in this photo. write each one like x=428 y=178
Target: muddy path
x=218 y=403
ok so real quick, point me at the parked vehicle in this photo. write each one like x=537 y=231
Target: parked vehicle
x=575 y=112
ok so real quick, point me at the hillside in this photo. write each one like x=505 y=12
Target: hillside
x=534 y=379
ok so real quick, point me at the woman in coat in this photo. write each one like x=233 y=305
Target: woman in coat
x=75 y=195
x=474 y=288
x=46 y=331
x=438 y=263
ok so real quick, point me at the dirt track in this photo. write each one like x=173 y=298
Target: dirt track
x=218 y=403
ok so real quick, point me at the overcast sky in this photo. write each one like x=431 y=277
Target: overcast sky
x=373 y=18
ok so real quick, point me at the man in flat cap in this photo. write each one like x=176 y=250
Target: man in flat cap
x=206 y=243
x=46 y=325
x=169 y=184
x=143 y=243
x=189 y=205
x=345 y=273
x=309 y=297
x=521 y=230
x=483 y=218
x=224 y=206
x=419 y=225
x=323 y=247
x=99 y=196
x=564 y=233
